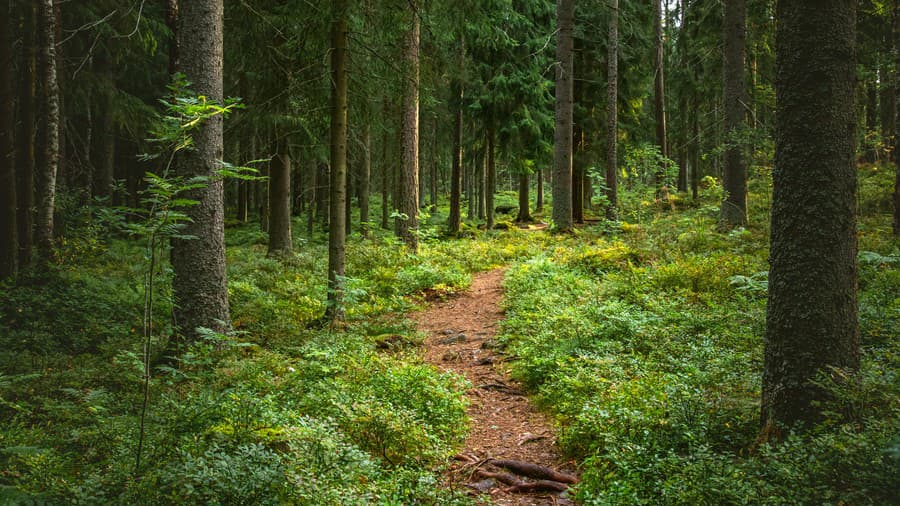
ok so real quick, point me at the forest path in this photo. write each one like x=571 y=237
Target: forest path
x=505 y=425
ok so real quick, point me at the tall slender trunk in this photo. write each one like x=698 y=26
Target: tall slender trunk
x=199 y=284
x=313 y=197
x=26 y=152
x=46 y=173
x=172 y=24
x=539 y=199
x=454 y=221
x=365 y=178
x=409 y=154
x=490 y=183
x=659 y=90
x=562 y=149
x=578 y=161
x=612 y=114
x=895 y=29
x=105 y=149
x=9 y=241
x=337 y=230
x=733 y=212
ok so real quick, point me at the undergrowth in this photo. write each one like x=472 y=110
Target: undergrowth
x=647 y=345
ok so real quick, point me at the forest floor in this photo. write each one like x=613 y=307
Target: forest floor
x=505 y=425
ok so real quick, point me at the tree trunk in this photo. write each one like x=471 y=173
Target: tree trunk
x=45 y=181
x=365 y=179
x=26 y=152
x=105 y=150
x=539 y=200
x=659 y=92
x=578 y=161
x=313 y=197
x=9 y=242
x=409 y=155
x=524 y=215
x=733 y=212
x=871 y=119
x=62 y=164
x=337 y=232
x=612 y=115
x=811 y=320
x=895 y=25
x=172 y=23
x=490 y=182
x=280 y=202
x=562 y=146
x=455 y=219
x=199 y=283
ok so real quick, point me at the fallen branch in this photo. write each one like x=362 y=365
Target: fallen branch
x=502 y=477
x=539 y=486
x=534 y=471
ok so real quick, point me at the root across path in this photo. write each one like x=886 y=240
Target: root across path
x=511 y=453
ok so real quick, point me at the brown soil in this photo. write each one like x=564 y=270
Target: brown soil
x=505 y=425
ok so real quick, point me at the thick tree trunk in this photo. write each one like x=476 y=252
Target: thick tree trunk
x=578 y=162
x=455 y=219
x=9 y=241
x=811 y=320
x=612 y=114
x=280 y=243
x=562 y=147
x=733 y=212
x=26 y=141
x=45 y=181
x=199 y=282
x=409 y=154
x=337 y=232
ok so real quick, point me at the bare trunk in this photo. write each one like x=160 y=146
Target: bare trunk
x=409 y=155
x=454 y=221
x=562 y=149
x=365 y=180
x=539 y=200
x=337 y=231
x=811 y=316
x=612 y=114
x=280 y=202
x=9 y=242
x=45 y=181
x=733 y=212
x=199 y=283
x=524 y=215
x=659 y=91
x=26 y=155
x=490 y=176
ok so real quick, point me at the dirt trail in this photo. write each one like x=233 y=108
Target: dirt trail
x=505 y=425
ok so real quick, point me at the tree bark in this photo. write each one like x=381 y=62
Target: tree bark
x=172 y=24
x=733 y=212
x=26 y=152
x=280 y=243
x=455 y=219
x=45 y=181
x=199 y=282
x=490 y=182
x=105 y=150
x=365 y=180
x=539 y=199
x=659 y=83
x=612 y=115
x=524 y=215
x=811 y=320
x=562 y=146
x=337 y=230
x=409 y=155
x=9 y=241
x=895 y=24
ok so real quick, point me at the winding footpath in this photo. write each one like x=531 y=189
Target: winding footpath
x=505 y=425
